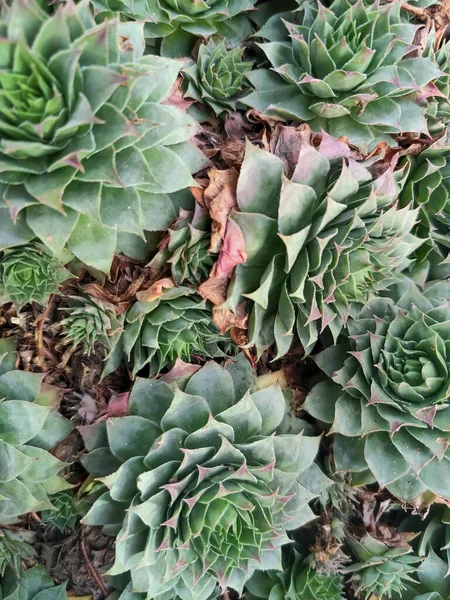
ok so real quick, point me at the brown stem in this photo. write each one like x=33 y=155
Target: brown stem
x=40 y=326
x=92 y=570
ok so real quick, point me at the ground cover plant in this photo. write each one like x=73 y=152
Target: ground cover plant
x=224 y=300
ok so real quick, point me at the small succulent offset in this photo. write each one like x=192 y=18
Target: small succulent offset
x=167 y=324
x=186 y=248
x=381 y=571
x=217 y=79
x=14 y=548
x=88 y=151
x=298 y=581
x=205 y=487
x=428 y=188
x=30 y=584
x=29 y=427
x=90 y=322
x=30 y=274
x=345 y=70
x=388 y=402
x=438 y=105
x=178 y=22
x=64 y=513
x=315 y=242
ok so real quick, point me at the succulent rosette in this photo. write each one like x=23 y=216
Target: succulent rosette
x=345 y=69
x=438 y=106
x=298 y=581
x=217 y=78
x=180 y=22
x=165 y=325
x=428 y=188
x=186 y=248
x=30 y=274
x=202 y=483
x=29 y=428
x=388 y=401
x=90 y=322
x=381 y=571
x=88 y=151
x=315 y=242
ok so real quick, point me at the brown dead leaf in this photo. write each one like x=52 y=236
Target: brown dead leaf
x=176 y=97
x=156 y=290
x=225 y=319
x=179 y=371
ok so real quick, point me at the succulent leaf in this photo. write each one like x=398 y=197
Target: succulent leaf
x=30 y=274
x=205 y=487
x=15 y=547
x=29 y=584
x=344 y=69
x=388 y=401
x=315 y=243
x=87 y=146
x=217 y=79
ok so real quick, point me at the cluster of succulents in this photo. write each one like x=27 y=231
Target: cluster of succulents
x=146 y=291
x=347 y=69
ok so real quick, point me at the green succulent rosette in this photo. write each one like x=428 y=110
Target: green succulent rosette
x=381 y=571
x=433 y=546
x=388 y=398
x=88 y=152
x=217 y=79
x=298 y=581
x=345 y=70
x=180 y=22
x=30 y=274
x=173 y=323
x=65 y=512
x=14 y=548
x=202 y=483
x=437 y=102
x=315 y=242
x=30 y=584
x=428 y=188
x=185 y=249
x=29 y=428
x=90 y=322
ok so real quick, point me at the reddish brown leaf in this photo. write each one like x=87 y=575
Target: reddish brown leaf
x=156 y=290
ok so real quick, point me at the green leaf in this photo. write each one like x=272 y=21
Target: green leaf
x=93 y=243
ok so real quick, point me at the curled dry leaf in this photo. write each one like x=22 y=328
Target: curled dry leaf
x=179 y=371
x=156 y=290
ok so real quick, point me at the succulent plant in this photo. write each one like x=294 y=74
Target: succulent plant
x=169 y=324
x=88 y=151
x=315 y=243
x=345 y=70
x=438 y=106
x=15 y=547
x=298 y=581
x=29 y=427
x=64 y=513
x=217 y=79
x=89 y=322
x=206 y=485
x=30 y=584
x=434 y=546
x=428 y=188
x=388 y=401
x=180 y=22
x=185 y=248
x=381 y=571
x=30 y=274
